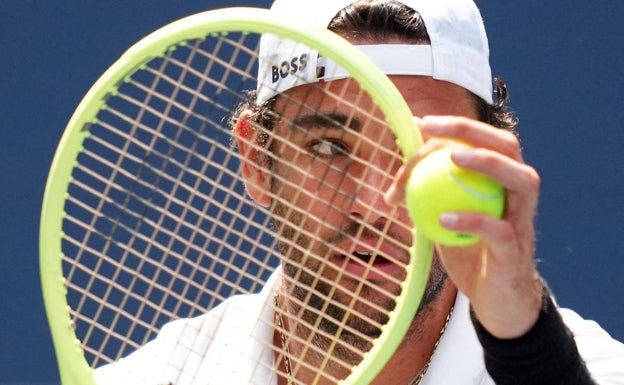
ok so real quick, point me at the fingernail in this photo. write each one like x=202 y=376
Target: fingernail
x=390 y=195
x=432 y=124
x=448 y=219
x=462 y=154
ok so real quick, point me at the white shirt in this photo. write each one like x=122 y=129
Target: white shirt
x=232 y=344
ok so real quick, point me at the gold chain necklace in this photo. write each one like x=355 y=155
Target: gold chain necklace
x=279 y=320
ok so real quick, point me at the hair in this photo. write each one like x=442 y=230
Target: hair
x=379 y=20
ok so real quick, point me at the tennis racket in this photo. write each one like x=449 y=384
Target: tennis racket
x=171 y=192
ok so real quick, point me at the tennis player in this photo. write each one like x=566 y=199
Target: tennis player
x=487 y=316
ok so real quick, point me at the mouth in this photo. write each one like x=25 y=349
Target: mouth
x=370 y=258
x=368 y=265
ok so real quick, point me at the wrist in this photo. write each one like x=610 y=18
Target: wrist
x=515 y=313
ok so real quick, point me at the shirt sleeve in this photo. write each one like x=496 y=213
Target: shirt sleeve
x=546 y=354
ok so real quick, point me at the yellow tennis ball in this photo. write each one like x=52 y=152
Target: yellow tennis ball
x=437 y=185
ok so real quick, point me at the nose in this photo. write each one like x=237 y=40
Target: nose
x=371 y=180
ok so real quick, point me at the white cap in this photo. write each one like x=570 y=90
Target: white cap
x=458 y=53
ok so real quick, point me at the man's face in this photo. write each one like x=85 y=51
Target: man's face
x=331 y=164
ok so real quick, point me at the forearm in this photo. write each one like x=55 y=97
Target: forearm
x=547 y=354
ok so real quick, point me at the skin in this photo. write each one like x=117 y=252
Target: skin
x=498 y=274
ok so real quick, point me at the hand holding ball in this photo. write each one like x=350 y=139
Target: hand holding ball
x=437 y=185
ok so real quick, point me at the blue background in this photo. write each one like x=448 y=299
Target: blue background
x=563 y=62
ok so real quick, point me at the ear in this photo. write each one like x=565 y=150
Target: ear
x=257 y=178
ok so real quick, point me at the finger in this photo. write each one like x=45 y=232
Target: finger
x=473 y=133
x=513 y=175
x=521 y=183
x=498 y=233
x=396 y=192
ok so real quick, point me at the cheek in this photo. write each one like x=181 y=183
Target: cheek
x=312 y=189
x=311 y=198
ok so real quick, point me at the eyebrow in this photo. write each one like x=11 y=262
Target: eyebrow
x=331 y=120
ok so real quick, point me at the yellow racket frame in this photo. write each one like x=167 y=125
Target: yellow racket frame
x=73 y=366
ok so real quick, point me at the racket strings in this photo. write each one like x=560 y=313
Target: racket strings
x=166 y=208
x=160 y=225
x=385 y=170
x=166 y=248
x=184 y=166
x=339 y=191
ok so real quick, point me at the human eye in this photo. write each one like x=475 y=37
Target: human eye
x=328 y=147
